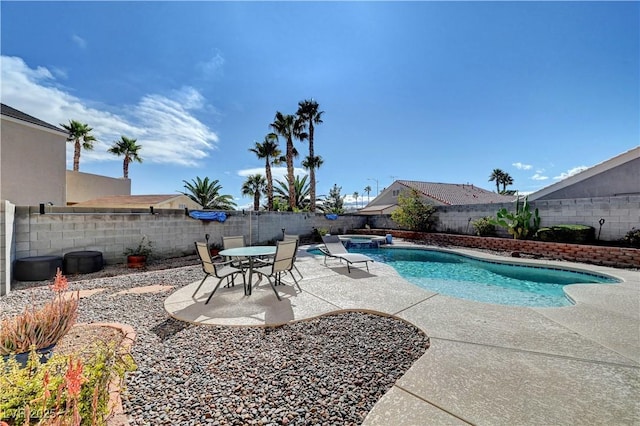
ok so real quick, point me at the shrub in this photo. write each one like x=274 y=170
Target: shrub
x=144 y=248
x=68 y=389
x=413 y=213
x=575 y=234
x=484 y=227
x=632 y=237
x=39 y=328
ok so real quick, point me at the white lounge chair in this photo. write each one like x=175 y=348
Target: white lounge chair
x=333 y=248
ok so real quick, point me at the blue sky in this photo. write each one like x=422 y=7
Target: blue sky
x=431 y=91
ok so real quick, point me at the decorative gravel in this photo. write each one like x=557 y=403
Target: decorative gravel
x=326 y=371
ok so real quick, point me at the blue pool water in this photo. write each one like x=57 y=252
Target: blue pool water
x=483 y=281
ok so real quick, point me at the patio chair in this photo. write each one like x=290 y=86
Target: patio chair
x=282 y=262
x=220 y=270
x=333 y=248
x=235 y=242
x=287 y=237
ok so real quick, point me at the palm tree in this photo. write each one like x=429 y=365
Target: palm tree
x=269 y=150
x=506 y=180
x=254 y=186
x=207 y=194
x=79 y=131
x=309 y=114
x=129 y=149
x=356 y=195
x=367 y=189
x=301 y=190
x=496 y=175
x=289 y=127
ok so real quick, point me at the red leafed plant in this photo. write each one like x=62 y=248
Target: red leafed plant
x=40 y=327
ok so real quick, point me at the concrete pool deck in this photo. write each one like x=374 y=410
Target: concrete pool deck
x=487 y=364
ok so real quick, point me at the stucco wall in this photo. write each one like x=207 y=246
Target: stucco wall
x=86 y=186
x=621 y=180
x=31 y=171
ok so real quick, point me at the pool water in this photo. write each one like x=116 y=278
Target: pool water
x=483 y=281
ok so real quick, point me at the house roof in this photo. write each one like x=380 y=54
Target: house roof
x=8 y=111
x=456 y=194
x=625 y=157
x=129 y=201
x=377 y=209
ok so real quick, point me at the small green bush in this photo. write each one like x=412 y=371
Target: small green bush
x=484 y=227
x=573 y=234
x=413 y=212
x=632 y=237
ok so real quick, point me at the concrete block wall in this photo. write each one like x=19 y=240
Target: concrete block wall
x=64 y=229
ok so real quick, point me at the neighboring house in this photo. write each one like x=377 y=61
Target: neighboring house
x=169 y=201
x=439 y=194
x=32 y=160
x=83 y=186
x=617 y=176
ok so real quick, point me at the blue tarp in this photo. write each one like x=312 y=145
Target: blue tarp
x=331 y=216
x=207 y=215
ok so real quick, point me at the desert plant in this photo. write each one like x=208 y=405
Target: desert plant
x=632 y=237
x=69 y=389
x=413 y=212
x=519 y=223
x=484 y=227
x=144 y=248
x=38 y=328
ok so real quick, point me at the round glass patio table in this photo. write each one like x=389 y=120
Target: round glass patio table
x=250 y=253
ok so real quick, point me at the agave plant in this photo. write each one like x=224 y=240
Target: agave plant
x=39 y=328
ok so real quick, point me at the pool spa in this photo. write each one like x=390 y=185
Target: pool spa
x=485 y=281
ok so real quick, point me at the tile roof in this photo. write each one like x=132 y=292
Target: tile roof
x=19 y=115
x=133 y=201
x=457 y=194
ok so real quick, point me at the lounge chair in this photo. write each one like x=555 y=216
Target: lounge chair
x=282 y=262
x=220 y=270
x=333 y=248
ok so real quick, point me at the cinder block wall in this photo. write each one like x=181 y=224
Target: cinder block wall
x=63 y=229
x=620 y=215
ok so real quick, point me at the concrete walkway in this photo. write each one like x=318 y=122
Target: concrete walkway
x=487 y=364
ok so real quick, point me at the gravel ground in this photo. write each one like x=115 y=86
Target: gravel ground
x=327 y=371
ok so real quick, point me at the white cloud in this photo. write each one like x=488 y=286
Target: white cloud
x=538 y=176
x=164 y=125
x=278 y=173
x=521 y=166
x=213 y=67
x=570 y=172
x=79 y=41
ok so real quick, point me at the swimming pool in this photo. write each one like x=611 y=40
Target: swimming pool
x=483 y=281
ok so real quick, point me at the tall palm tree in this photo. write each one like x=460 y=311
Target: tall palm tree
x=367 y=189
x=207 y=194
x=301 y=190
x=356 y=195
x=254 y=186
x=269 y=150
x=308 y=112
x=129 y=149
x=506 y=180
x=496 y=175
x=79 y=131
x=289 y=127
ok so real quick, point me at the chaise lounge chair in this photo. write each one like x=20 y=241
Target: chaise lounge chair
x=333 y=248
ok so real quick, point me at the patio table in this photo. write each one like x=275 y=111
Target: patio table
x=250 y=253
